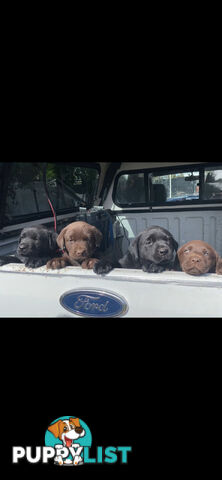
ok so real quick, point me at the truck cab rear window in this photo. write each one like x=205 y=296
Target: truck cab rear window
x=212 y=184
x=131 y=189
x=178 y=186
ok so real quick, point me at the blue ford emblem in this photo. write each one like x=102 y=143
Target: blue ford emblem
x=94 y=303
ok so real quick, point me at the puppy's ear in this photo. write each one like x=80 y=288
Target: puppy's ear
x=176 y=264
x=52 y=237
x=98 y=236
x=61 y=238
x=175 y=244
x=133 y=249
x=75 y=422
x=54 y=428
x=218 y=264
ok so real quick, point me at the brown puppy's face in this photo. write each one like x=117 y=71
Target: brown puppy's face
x=80 y=240
x=197 y=257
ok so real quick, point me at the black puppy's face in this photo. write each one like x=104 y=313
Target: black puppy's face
x=34 y=241
x=156 y=245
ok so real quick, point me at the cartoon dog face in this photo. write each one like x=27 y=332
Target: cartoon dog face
x=67 y=430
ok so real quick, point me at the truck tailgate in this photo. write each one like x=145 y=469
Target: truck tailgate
x=26 y=292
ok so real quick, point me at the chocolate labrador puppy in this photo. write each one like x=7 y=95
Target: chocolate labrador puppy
x=152 y=251
x=198 y=257
x=79 y=242
x=36 y=246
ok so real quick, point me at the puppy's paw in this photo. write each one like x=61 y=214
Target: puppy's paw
x=34 y=262
x=56 y=263
x=89 y=263
x=77 y=460
x=145 y=268
x=153 y=268
x=102 y=267
x=58 y=460
x=31 y=263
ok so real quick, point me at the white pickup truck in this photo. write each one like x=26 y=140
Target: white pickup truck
x=125 y=197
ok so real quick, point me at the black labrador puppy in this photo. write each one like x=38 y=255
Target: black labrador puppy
x=36 y=246
x=152 y=251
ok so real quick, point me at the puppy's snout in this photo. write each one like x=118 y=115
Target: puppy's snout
x=81 y=253
x=22 y=247
x=79 y=430
x=195 y=260
x=163 y=251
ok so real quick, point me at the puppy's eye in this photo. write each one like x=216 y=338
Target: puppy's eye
x=205 y=253
x=65 y=429
x=72 y=427
x=149 y=241
x=187 y=250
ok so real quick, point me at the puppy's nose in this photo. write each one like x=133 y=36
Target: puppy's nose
x=195 y=260
x=163 y=251
x=79 y=430
x=81 y=253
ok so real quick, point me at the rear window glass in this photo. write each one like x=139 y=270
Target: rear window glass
x=68 y=186
x=71 y=187
x=131 y=189
x=212 y=184
x=169 y=186
x=181 y=186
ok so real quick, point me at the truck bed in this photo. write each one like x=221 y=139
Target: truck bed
x=26 y=292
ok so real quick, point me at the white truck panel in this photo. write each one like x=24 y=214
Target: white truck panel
x=36 y=292
x=204 y=225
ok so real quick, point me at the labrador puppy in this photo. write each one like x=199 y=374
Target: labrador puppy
x=198 y=257
x=152 y=251
x=79 y=241
x=36 y=246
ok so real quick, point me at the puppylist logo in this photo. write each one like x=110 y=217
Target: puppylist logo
x=67 y=442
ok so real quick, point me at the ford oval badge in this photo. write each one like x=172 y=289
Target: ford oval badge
x=94 y=303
